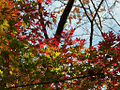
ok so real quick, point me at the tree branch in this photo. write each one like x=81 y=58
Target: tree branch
x=91 y=34
x=92 y=27
x=98 y=9
x=63 y=19
x=100 y=21
x=57 y=81
x=85 y=11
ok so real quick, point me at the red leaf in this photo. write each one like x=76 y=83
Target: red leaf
x=40 y=1
x=19 y=24
x=77 y=39
x=52 y=15
x=49 y=1
x=102 y=63
x=22 y=37
x=72 y=31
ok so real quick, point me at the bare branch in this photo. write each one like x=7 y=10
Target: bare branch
x=92 y=27
x=85 y=11
x=98 y=9
x=100 y=21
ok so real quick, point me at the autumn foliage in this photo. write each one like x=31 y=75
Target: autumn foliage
x=29 y=60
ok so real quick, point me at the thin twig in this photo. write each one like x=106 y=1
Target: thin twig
x=100 y=21
x=85 y=11
x=97 y=9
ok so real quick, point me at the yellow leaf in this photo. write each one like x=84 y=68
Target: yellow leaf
x=1 y=72
x=57 y=53
x=63 y=73
x=88 y=54
x=10 y=72
x=115 y=84
x=25 y=55
x=6 y=23
x=106 y=85
x=30 y=54
x=56 y=69
x=7 y=85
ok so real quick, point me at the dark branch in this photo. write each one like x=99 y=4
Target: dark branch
x=63 y=19
x=85 y=11
x=92 y=27
x=91 y=35
x=97 y=9
x=57 y=81
x=100 y=21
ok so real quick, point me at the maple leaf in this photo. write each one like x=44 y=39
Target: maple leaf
x=40 y=1
x=48 y=1
x=22 y=37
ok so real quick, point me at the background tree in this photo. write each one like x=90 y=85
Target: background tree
x=30 y=58
x=78 y=20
